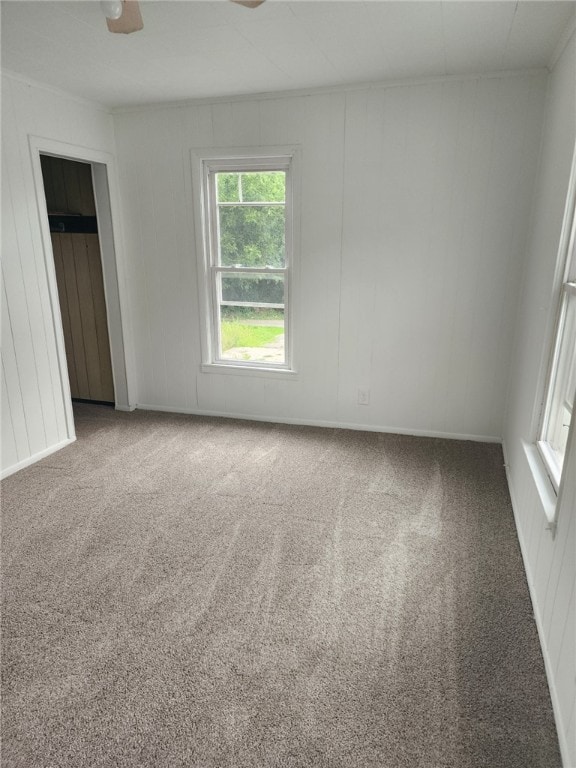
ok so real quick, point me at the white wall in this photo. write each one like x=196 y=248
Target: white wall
x=550 y=562
x=415 y=202
x=33 y=406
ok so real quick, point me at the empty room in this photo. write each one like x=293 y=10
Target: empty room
x=288 y=372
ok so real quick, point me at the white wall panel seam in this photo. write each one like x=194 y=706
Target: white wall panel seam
x=18 y=275
x=25 y=250
x=13 y=383
x=341 y=250
x=7 y=429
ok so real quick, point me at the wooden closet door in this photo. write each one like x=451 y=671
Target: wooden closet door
x=83 y=309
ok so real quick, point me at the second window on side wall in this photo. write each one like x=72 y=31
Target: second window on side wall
x=249 y=261
x=561 y=388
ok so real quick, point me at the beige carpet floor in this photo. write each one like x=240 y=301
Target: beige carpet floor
x=199 y=592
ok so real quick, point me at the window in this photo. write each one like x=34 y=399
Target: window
x=561 y=388
x=248 y=255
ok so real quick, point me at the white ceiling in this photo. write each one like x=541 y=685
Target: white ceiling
x=192 y=49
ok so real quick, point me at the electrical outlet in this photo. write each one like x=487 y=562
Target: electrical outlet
x=363 y=396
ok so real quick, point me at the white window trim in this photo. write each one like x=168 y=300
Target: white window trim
x=547 y=469
x=204 y=162
x=548 y=455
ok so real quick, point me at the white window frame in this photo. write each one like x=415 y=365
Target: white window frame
x=567 y=261
x=547 y=453
x=205 y=164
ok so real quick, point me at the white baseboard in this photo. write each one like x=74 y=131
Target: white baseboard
x=36 y=457
x=562 y=741
x=126 y=408
x=321 y=423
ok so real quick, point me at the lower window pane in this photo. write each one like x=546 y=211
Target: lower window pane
x=258 y=289
x=252 y=318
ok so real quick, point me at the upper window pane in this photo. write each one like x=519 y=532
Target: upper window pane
x=228 y=187
x=264 y=187
x=251 y=187
x=252 y=235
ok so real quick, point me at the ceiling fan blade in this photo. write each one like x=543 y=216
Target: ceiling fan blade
x=130 y=21
x=249 y=3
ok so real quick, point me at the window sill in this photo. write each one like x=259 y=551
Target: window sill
x=546 y=492
x=245 y=370
x=550 y=460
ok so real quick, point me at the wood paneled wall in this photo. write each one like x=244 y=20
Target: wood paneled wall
x=83 y=310
x=68 y=186
x=69 y=190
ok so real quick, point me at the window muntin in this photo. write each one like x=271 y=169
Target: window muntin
x=561 y=387
x=248 y=213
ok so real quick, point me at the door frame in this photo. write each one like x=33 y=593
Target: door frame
x=106 y=195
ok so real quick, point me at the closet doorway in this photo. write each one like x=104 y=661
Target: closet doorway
x=69 y=192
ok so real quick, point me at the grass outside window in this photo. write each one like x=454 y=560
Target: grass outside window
x=248 y=327
x=237 y=334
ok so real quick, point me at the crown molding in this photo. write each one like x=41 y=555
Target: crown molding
x=565 y=38
x=25 y=80
x=328 y=89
